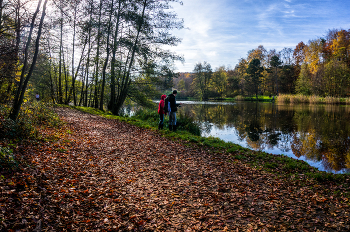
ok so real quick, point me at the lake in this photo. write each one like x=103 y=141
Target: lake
x=317 y=134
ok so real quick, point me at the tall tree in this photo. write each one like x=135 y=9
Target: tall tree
x=112 y=104
x=303 y=85
x=97 y=57
x=25 y=77
x=275 y=63
x=145 y=27
x=259 y=53
x=299 y=53
x=254 y=72
x=107 y=55
x=203 y=74
x=219 y=81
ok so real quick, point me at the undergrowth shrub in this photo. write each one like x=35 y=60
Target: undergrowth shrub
x=7 y=160
x=21 y=128
x=43 y=114
x=147 y=114
x=188 y=123
x=32 y=115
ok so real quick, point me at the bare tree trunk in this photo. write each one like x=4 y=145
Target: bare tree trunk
x=73 y=77
x=25 y=63
x=65 y=79
x=126 y=80
x=18 y=26
x=22 y=88
x=97 y=58
x=107 y=56
x=60 y=93
x=85 y=101
x=82 y=86
x=1 y=6
x=113 y=62
x=51 y=81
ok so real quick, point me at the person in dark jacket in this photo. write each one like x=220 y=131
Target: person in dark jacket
x=172 y=110
x=161 y=112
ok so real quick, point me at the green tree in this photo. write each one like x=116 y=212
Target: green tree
x=303 y=85
x=254 y=72
x=337 y=78
x=219 y=81
x=201 y=81
x=275 y=63
x=181 y=85
x=149 y=25
x=288 y=79
x=25 y=77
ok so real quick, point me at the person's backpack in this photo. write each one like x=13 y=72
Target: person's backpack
x=166 y=105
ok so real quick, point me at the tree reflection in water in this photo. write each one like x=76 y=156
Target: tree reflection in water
x=318 y=134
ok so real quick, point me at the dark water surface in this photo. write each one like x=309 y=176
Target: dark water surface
x=318 y=134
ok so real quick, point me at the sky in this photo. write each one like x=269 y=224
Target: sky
x=221 y=32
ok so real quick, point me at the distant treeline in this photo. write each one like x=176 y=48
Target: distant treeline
x=321 y=67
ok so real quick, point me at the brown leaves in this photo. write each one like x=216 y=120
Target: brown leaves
x=113 y=176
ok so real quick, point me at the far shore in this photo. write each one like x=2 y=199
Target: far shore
x=281 y=98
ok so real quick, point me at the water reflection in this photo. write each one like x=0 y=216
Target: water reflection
x=318 y=134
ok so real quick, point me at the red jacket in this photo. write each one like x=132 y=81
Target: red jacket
x=161 y=105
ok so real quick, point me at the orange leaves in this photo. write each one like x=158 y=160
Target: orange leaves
x=151 y=187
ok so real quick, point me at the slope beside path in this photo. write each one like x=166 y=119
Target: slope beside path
x=109 y=175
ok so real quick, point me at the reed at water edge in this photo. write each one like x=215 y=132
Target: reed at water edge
x=313 y=99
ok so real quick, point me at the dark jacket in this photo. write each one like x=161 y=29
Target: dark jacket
x=173 y=104
x=161 y=105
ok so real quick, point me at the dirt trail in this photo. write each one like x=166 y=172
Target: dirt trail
x=119 y=177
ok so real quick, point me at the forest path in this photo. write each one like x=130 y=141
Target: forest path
x=107 y=175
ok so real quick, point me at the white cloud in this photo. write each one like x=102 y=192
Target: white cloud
x=223 y=31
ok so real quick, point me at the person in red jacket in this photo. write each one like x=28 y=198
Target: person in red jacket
x=161 y=112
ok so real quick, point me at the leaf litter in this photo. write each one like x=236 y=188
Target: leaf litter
x=107 y=175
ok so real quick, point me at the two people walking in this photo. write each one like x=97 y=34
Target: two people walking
x=171 y=109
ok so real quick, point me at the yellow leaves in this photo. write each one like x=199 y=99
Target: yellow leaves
x=312 y=54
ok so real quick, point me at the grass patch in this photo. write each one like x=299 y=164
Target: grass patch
x=261 y=98
x=271 y=165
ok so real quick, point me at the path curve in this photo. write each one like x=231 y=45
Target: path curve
x=120 y=177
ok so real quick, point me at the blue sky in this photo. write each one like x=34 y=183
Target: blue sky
x=223 y=31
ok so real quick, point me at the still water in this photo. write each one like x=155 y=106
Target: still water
x=317 y=134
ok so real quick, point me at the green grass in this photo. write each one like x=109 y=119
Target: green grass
x=261 y=98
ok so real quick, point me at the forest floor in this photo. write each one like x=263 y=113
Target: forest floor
x=100 y=174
